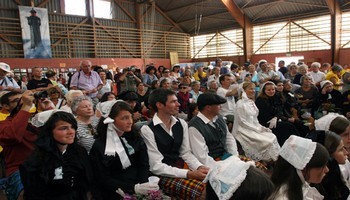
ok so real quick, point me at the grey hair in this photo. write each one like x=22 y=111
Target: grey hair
x=194 y=83
x=70 y=94
x=303 y=66
x=316 y=64
x=77 y=101
x=81 y=62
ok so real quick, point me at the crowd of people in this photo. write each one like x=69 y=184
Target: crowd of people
x=218 y=132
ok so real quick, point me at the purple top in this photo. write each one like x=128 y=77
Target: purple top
x=84 y=82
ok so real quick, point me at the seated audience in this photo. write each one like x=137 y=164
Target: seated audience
x=87 y=121
x=301 y=162
x=331 y=100
x=234 y=179
x=59 y=168
x=307 y=95
x=119 y=156
x=168 y=149
x=70 y=96
x=257 y=141
x=209 y=136
x=268 y=114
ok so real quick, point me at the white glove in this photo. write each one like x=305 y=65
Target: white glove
x=120 y=192
x=265 y=129
x=145 y=188
x=273 y=122
x=306 y=115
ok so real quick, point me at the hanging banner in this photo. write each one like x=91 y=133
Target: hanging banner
x=35 y=32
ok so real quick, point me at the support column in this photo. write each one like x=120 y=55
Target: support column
x=335 y=12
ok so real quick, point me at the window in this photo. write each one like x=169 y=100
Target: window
x=102 y=9
x=75 y=7
x=300 y=35
x=226 y=43
x=345 y=30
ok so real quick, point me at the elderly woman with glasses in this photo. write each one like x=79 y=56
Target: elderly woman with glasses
x=82 y=108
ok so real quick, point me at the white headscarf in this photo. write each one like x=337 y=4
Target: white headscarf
x=227 y=176
x=113 y=142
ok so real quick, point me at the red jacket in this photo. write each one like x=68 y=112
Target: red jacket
x=17 y=138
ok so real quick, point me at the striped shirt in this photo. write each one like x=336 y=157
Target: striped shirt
x=86 y=132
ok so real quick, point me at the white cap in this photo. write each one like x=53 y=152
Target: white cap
x=323 y=83
x=262 y=61
x=298 y=151
x=105 y=108
x=41 y=118
x=227 y=176
x=324 y=122
x=5 y=67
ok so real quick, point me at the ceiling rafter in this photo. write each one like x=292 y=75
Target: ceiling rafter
x=331 y=6
x=235 y=11
x=207 y=16
x=263 y=4
x=262 y=12
x=305 y=4
x=186 y=6
x=168 y=18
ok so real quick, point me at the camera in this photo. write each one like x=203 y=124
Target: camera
x=41 y=95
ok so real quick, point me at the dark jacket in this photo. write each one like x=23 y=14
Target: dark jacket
x=48 y=174
x=109 y=172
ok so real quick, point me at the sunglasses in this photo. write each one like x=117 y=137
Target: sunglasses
x=183 y=87
x=92 y=130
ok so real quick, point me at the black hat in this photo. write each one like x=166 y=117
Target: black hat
x=32 y=11
x=209 y=99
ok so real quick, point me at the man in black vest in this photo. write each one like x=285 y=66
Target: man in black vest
x=210 y=138
x=169 y=150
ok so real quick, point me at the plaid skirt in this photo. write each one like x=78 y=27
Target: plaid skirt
x=180 y=188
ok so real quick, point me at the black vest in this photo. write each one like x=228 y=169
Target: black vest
x=215 y=138
x=168 y=146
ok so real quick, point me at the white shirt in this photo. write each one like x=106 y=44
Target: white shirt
x=6 y=83
x=317 y=77
x=228 y=107
x=345 y=171
x=199 y=147
x=155 y=157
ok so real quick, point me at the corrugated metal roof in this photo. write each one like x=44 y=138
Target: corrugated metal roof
x=215 y=15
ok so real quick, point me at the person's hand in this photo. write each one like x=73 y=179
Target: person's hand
x=137 y=116
x=27 y=100
x=292 y=120
x=145 y=188
x=196 y=174
x=203 y=169
x=272 y=123
x=10 y=88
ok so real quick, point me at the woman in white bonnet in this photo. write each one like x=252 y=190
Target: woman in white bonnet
x=300 y=163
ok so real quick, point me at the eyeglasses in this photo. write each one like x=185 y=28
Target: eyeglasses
x=91 y=129
x=166 y=72
x=183 y=87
